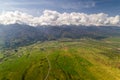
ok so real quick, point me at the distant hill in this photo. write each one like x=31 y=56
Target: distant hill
x=18 y=35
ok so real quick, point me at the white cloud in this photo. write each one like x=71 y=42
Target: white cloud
x=55 y=18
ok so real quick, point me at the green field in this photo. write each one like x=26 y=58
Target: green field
x=84 y=59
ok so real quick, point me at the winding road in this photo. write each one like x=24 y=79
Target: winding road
x=49 y=64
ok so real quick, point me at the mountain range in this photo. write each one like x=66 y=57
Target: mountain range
x=16 y=35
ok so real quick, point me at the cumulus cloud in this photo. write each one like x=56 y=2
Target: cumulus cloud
x=54 y=18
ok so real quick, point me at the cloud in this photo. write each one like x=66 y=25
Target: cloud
x=54 y=18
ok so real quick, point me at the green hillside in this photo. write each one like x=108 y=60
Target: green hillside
x=84 y=59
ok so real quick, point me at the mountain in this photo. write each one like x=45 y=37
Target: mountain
x=19 y=35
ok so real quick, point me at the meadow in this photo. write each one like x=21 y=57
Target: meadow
x=67 y=59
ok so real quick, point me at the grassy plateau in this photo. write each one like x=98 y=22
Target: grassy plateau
x=80 y=59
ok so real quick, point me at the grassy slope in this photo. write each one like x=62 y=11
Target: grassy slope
x=77 y=60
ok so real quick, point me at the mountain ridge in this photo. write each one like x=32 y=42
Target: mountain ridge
x=18 y=35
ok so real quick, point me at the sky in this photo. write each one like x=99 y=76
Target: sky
x=60 y=12
x=36 y=7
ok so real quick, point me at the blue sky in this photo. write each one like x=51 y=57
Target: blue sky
x=36 y=7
